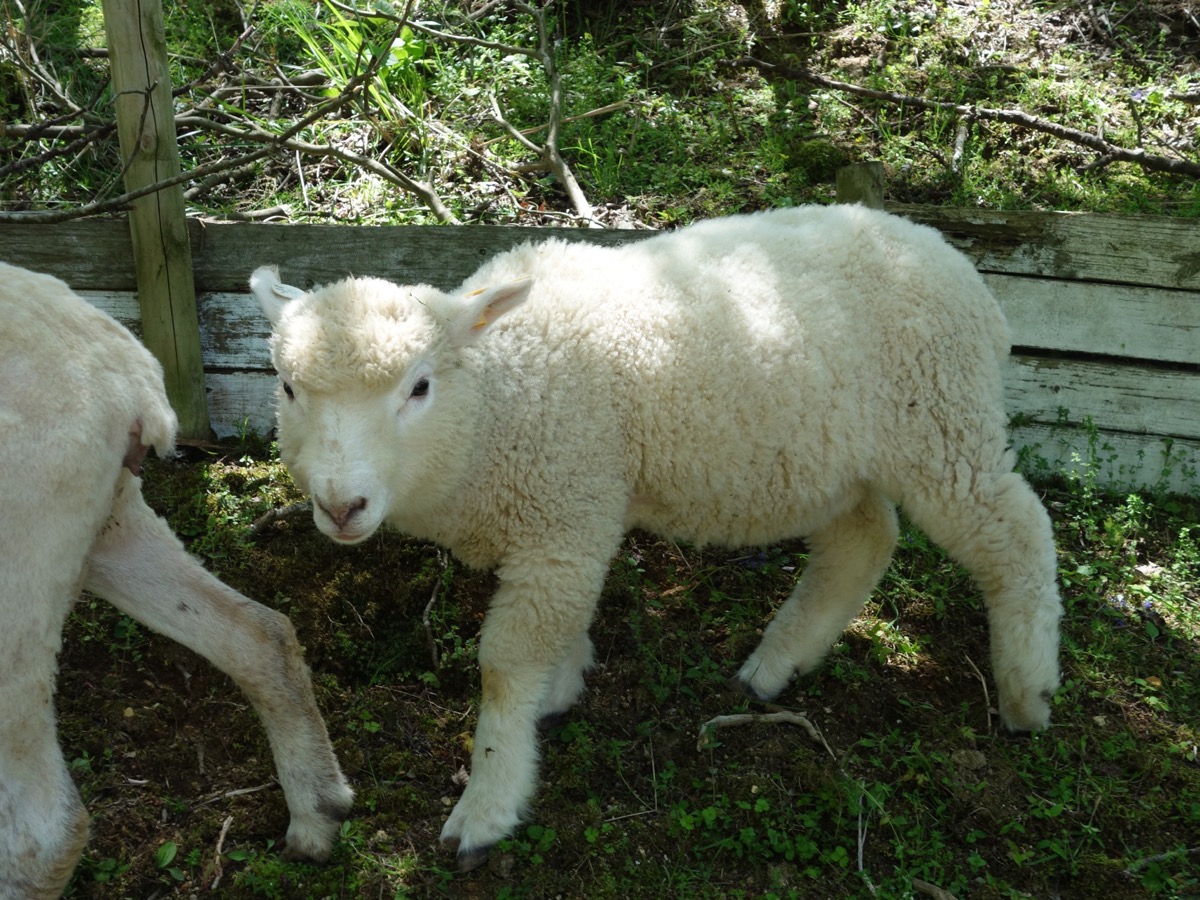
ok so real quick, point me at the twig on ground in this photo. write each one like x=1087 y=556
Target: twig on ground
x=425 y=616
x=237 y=792
x=987 y=703
x=272 y=516
x=705 y=737
x=862 y=843
x=1139 y=864
x=217 y=864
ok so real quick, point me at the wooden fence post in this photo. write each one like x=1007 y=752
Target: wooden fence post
x=861 y=183
x=141 y=79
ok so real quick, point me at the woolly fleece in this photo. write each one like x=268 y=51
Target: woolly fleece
x=740 y=381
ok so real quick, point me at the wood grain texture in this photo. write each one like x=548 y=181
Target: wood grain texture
x=162 y=256
x=1145 y=250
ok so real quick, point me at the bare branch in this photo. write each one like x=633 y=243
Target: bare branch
x=705 y=737
x=510 y=49
x=271 y=143
x=1147 y=161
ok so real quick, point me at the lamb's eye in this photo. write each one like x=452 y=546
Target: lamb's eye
x=421 y=388
x=287 y=389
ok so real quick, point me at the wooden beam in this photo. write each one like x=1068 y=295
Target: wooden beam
x=161 y=252
x=861 y=183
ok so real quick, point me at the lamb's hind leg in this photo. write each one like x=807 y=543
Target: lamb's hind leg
x=140 y=567
x=999 y=530
x=43 y=825
x=847 y=558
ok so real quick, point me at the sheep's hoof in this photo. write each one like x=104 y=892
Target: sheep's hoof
x=469 y=860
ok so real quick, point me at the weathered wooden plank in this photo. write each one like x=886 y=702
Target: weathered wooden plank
x=121 y=305
x=241 y=402
x=1146 y=250
x=1114 y=320
x=91 y=254
x=95 y=253
x=1128 y=398
x=1117 y=460
x=224 y=255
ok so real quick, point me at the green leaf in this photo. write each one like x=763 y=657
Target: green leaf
x=166 y=854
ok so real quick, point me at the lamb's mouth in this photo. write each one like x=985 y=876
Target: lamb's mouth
x=349 y=537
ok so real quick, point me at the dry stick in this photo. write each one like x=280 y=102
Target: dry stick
x=550 y=153
x=1137 y=864
x=280 y=512
x=1139 y=156
x=791 y=718
x=590 y=114
x=425 y=619
x=236 y=792
x=987 y=703
x=220 y=849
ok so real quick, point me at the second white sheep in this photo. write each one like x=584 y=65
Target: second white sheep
x=745 y=380
x=81 y=401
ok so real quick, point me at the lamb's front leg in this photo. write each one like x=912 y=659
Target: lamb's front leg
x=538 y=618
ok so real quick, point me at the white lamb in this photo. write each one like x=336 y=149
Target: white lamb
x=740 y=381
x=80 y=400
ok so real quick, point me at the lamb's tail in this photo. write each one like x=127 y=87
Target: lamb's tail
x=154 y=423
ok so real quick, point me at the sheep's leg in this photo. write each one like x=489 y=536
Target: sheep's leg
x=43 y=825
x=141 y=568
x=535 y=630
x=847 y=558
x=567 y=684
x=1000 y=532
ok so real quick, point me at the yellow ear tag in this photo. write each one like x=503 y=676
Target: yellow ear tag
x=482 y=323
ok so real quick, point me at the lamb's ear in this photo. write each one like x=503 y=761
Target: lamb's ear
x=271 y=293
x=480 y=309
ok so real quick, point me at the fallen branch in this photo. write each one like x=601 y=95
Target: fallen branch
x=272 y=516
x=1139 y=864
x=426 y=620
x=1147 y=161
x=705 y=737
x=987 y=701
x=220 y=867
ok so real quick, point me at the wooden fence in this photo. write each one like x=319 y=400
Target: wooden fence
x=1105 y=314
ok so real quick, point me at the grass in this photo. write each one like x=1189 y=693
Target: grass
x=914 y=782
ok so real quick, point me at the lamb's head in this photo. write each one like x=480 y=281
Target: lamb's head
x=378 y=408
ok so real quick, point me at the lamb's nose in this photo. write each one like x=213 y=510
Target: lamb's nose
x=342 y=513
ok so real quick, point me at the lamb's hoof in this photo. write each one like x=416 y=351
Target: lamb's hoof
x=740 y=686
x=469 y=860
